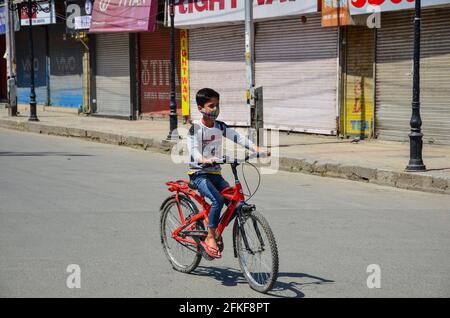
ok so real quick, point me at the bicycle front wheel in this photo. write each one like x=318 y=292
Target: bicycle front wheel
x=257 y=252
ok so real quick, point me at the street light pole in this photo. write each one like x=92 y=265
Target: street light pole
x=415 y=137
x=10 y=49
x=173 y=103
x=33 y=116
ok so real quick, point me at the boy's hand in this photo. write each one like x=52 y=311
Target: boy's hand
x=210 y=161
x=262 y=150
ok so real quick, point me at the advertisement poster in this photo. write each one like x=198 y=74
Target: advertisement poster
x=184 y=73
x=45 y=15
x=369 y=6
x=335 y=13
x=124 y=16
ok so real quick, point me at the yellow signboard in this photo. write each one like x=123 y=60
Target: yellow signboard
x=359 y=105
x=184 y=73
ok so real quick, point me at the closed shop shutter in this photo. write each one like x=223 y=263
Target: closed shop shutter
x=66 y=69
x=113 y=74
x=24 y=65
x=217 y=61
x=154 y=56
x=394 y=76
x=357 y=110
x=296 y=64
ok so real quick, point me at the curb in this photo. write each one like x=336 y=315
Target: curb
x=403 y=180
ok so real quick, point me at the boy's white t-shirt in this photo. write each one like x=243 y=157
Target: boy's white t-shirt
x=208 y=142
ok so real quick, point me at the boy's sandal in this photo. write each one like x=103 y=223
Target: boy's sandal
x=212 y=253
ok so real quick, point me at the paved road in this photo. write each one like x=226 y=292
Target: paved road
x=67 y=201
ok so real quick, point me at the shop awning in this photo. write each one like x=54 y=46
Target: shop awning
x=124 y=16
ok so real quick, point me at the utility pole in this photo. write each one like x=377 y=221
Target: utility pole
x=415 y=137
x=33 y=116
x=173 y=135
x=249 y=60
x=10 y=51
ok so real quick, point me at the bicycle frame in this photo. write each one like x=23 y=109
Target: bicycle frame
x=234 y=194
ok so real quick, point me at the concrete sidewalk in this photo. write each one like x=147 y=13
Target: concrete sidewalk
x=373 y=161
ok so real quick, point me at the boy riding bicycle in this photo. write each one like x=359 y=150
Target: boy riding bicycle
x=205 y=147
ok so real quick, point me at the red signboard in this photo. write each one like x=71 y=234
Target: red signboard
x=124 y=16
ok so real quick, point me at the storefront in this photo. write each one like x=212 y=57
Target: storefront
x=66 y=68
x=217 y=60
x=296 y=63
x=114 y=24
x=154 y=69
x=41 y=80
x=395 y=40
x=394 y=69
x=112 y=74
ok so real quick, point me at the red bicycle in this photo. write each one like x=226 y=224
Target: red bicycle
x=183 y=228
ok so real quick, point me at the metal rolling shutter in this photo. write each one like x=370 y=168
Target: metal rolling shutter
x=217 y=61
x=66 y=69
x=394 y=75
x=297 y=66
x=23 y=65
x=154 y=56
x=113 y=74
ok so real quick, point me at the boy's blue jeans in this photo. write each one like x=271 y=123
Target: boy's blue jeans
x=210 y=185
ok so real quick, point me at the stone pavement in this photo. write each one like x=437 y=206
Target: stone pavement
x=374 y=161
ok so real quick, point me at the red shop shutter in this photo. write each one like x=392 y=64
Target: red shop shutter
x=154 y=59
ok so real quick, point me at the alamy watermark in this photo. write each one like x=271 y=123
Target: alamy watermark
x=74 y=278
x=374 y=279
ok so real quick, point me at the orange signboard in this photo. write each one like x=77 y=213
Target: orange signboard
x=335 y=13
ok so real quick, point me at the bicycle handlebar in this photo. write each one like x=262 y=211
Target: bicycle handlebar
x=228 y=160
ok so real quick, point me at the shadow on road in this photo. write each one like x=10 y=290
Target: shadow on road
x=40 y=154
x=232 y=277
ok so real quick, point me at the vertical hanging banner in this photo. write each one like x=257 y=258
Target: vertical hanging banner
x=335 y=13
x=124 y=16
x=184 y=73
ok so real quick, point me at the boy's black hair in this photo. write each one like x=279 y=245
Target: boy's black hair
x=205 y=95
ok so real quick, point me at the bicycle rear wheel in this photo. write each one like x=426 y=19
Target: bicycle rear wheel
x=183 y=257
x=257 y=252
